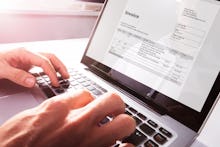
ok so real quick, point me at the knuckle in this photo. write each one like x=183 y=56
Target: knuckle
x=19 y=76
x=50 y=55
x=55 y=105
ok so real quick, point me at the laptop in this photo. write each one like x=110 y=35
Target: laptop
x=161 y=56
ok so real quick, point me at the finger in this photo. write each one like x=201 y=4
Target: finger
x=109 y=104
x=20 y=77
x=76 y=99
x=58 y=65
x=119 y=128
x=40 y=61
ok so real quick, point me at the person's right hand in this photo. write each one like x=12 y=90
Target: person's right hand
x=69 y=120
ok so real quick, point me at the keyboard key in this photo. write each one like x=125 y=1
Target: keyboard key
x=62 y=82
x=138 y=121
x=65 y=86
x=42 y=85
x=152 y=123
x=78 y=86
x=86 y=83
x=96 y=92
x=126 y=105
x=142 y=116
x=135 y=138
x=160 y=138
x=60 y=90
x=132 y=110
x=80 y=80
x=90 y=88
x=128 y=113
x=165 y=132
x=147 y=129
x=48 y=92
x=73 y=83
x=41 y=73
x=35 y=74
x=102 y=89
x=150 y=143
x=40 y=81
x=104 y=121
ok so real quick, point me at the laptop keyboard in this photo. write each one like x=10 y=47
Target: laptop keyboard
x=76 y=81
x=147 y=134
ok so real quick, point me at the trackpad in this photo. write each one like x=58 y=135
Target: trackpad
x=12 y=104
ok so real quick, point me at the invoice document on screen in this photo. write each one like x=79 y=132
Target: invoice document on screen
x=161 y=40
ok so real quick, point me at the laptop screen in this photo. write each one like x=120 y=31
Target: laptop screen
x=164 y=51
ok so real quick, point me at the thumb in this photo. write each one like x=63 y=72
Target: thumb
x=19 y=76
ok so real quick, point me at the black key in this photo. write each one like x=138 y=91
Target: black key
x=63 y=82
x=43 y=85
x=104 y=121
x=59 y=78
x=127 y=112
x=138 y=121
x=59 y=90
x=48 y=92
x=35 y=74
x=132 y=110
x=152 y=123
x=142 y=116
x=42 y=73
x=147 y=129
x=65 y=86
x=150 y=143
x=165 y=132
x=135 y=138
x=160 y=138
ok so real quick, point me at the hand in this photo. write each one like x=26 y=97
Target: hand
x=69 y=120
x=15 y=64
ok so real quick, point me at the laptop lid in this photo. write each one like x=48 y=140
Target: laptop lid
x=165 y=52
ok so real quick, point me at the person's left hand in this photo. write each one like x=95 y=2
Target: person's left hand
x=16 y=63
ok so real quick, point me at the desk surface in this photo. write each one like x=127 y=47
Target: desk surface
x=71 y=51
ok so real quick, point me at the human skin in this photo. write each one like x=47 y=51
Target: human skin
x=17 y=62
x=67 y=120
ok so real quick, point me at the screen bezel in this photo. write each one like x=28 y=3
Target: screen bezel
x=179 y=112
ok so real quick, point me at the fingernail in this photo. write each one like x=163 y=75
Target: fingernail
x=30 y=81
